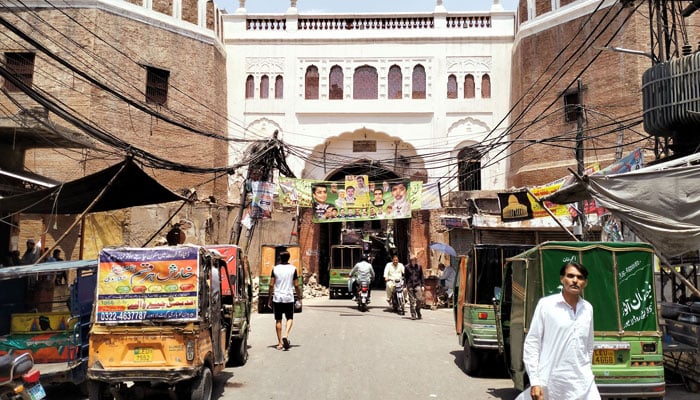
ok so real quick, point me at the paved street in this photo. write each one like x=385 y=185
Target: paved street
x=339 y=353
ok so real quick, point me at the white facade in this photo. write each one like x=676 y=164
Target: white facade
x=411 y=135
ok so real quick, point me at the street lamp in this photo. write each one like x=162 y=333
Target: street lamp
x=628 y=51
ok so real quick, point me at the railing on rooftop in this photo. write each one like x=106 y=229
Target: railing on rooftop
x=380 y=23
x=469 y=21
x=332 y=23
x=266 y=24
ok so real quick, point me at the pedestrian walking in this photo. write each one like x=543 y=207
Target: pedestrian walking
x=283 y=284
x=415 y=282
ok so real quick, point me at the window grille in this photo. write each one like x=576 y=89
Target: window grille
x=469 y=169
x=157 y=85
x=250 y=87
x=395 y=83
x=365 y=83
x=21 y=66
x=451 y=87
x=264 y=87
x=335 y=89
x=469 y=91
x=485 y=87
x=279 y=87
x=418 y=82
x=572 y=106
x=311 y=83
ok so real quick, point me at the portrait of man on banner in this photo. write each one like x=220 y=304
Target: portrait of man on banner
x=261 y=206
x=357 y=190
x=319 y=199
x=400 y=204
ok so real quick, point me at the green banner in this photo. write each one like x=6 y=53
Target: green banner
x=615 y=276
x=356 y=198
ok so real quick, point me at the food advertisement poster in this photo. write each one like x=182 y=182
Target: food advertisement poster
x=137 y=284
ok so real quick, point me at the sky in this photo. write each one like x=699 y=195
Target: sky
x=362 y=6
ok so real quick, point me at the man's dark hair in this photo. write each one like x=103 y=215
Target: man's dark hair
x=404 y=182
x=284 y=257
x=581 y=269
x=317 y=185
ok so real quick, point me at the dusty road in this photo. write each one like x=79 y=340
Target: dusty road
x=339 y=353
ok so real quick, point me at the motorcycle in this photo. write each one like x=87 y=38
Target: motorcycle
x=18 y=378
x=397 y=299
x=362 y=295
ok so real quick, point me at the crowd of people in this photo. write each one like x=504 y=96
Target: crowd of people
x=31 y=255
x=411 y=274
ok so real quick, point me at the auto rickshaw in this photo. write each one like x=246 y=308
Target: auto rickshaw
x=237 y=294
x=159 y=323
x=343 y=259
x=46 y=312
x=627 y=355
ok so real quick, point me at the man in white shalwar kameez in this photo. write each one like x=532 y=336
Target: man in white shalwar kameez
x=558 y=348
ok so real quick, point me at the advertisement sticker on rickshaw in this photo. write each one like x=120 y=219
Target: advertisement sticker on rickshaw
x=229 y=252
x=147 y=284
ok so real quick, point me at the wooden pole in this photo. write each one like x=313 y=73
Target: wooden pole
x=87 y=210
x=551 y=214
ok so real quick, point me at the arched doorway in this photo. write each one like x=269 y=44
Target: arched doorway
x=379 y=238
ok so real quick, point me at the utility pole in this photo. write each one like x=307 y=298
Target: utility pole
x=579 y=156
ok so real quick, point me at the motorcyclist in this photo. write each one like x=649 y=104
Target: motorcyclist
x=362 y=271
x=392 y=271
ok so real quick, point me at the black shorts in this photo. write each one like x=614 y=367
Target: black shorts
x=283 y=308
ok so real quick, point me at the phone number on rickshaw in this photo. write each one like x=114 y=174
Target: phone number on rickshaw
x=121 y=316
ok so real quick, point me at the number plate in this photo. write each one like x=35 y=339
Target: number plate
x=603 y=356
x=144 y=354
x=37 y=392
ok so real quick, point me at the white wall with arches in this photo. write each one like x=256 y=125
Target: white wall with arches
x=399 y=123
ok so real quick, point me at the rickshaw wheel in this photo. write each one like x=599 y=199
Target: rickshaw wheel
x=470 y=358
x=98 y=391
x=201 y=385
x=238 y=352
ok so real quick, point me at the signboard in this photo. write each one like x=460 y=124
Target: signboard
x=137 y=284
x=622 y=276
x=356 y=198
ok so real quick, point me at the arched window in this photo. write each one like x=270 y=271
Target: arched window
x=264 y=87
x=451 y=87
x=365 y=83
x=418 y=82
x=335 y=89
x=311 y=82
x=469 y=91
x=395 y=83
x=279 y=87
x=249 y=87
x=469 y=169
x=485 y=87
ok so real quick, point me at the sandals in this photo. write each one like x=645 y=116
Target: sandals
x=285 y=342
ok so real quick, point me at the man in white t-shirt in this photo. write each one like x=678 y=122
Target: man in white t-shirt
x=284 y=283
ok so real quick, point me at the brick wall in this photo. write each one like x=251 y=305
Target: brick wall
x=612 y=92
x=196 y=97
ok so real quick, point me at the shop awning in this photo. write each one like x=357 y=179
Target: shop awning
x=661 y=206
x=131 y=187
